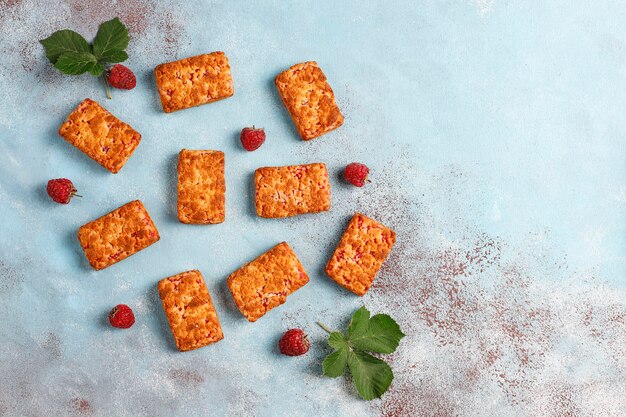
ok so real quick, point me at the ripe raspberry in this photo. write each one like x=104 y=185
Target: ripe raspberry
x=252 y=138
x=294 y=343
x=122 y=77
x=121 y=316
x=61 y=190
x=356 y=174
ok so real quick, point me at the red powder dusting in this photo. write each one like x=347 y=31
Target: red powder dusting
x=562 y=402
x=171 y=31
x=412 y=399
x=81 y=406
x=587 y=321
x=475 y=305
x=136 y=15
x=524 y=333
x=7 y=8
x=607 y=326
x=186 y=378
x=435 y=285
x=28 y=52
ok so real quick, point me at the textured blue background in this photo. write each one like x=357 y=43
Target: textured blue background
x=495 y=134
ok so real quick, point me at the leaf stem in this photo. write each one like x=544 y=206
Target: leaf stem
x=324 y=327
x=106 y=84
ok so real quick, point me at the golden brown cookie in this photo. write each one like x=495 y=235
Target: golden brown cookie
x=190 y=311
x=194 y=81
x=309 y=100
x=201 y=187
x=291 y=190
x=265 y=283
x=103 y=137
x=362 y=250
x=117 y=235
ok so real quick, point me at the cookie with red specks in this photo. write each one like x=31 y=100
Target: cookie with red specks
x=117 y=235
x=361 y=252
x=291 y=190
x=190 y=311
x=201 y=187
x=265 y=283
x=309 y=99
x=194 y=81
x=102 y=136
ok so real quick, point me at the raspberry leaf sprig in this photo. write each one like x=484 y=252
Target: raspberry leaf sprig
x=71 y=54
x=380 y=334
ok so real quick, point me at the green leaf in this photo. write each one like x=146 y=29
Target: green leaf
x=63 y=41
x=371 y=375
x=97 y=69
x=337 y=340
x=335 y=364
x=112 y=36
x=359 y=322
x=379 y=334
x=75 y=63
x=114 y=57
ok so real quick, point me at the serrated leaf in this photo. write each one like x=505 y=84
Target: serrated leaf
x=335 y=364
x=371 y=375
x=358 y=322
x=97 y=69
x=63 y=41
x=379 y=334
x=75 y=63
x=114 y=57
x=112 y=36
x=337 y=340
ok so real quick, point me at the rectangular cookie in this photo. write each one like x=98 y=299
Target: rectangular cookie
x=362 y=250
x=117 y=235
x=201 y=187
x=265 y=283
x=309 y=100
x=102 y=136
x=189 y=310
x=291 y=190
x=194 y=81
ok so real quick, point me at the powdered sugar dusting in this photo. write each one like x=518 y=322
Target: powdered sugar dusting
x=487 y=316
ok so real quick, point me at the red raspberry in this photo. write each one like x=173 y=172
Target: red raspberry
x=294 y=343
x=61 y=190
x=121 y=316
x=356 y=174
x=122 y=77
x=252 y=138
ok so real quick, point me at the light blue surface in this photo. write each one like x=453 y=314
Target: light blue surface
x=477 y=118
